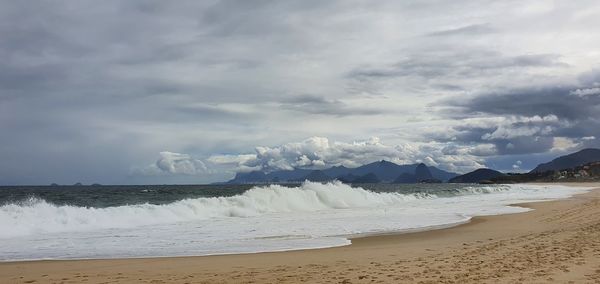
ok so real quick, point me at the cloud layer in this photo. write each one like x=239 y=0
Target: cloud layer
x=174 y=163
x=102 y=87
x=320 y=153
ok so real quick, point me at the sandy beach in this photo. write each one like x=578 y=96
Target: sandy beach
x=557 y=242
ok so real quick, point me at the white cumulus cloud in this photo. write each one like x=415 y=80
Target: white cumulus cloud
x=586 y=92
x=175 y=164
x=320 y=152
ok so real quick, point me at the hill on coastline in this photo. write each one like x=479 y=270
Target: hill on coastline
x=580 y=166
x=569 y=161
x=477 y=176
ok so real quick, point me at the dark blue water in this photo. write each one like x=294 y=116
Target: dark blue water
x=117 y=195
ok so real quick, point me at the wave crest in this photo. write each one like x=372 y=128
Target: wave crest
x=35 y=215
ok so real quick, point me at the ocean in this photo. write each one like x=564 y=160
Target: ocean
x=83 y=222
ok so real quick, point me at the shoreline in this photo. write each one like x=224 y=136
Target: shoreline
x=347 y=237
x=351 y=238
x=399 y=248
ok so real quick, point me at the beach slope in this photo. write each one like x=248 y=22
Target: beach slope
x=557 y=242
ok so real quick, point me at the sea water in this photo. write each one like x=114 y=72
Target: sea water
x=74 y=222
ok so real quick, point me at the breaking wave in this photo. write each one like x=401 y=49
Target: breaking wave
x=35 y=216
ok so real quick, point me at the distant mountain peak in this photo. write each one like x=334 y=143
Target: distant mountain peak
x=422 y=173
x=379 y=171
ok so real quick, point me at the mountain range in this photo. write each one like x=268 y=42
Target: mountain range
x=377 y=172
x=388 y=172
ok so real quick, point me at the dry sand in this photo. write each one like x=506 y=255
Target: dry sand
x=558 y=242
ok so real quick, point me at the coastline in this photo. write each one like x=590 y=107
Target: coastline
x=484 y=249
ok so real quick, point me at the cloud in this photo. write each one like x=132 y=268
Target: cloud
x=321 y=105
x=470 y=30
x=546 y=101
x=170 y=163
x=503 y=135
x=320 y=152
x=234 y=163
x=517 y=165
x=514 y=127
x=104 y=85
x=530 y=120
x=563 y=144
x=586 y=92
x=457 y=63
x=474 y=150
x=590 y=78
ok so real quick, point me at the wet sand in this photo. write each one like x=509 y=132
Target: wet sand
x=557 y=242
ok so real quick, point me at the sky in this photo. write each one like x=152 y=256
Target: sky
x=156 y=92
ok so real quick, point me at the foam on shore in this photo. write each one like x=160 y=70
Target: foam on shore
x=270 y=218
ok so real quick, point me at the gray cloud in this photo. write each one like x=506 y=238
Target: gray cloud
x=475 y=29
x=529 y=120
x=321 y=105
x=590 y=78
x=504 y=136
x=557 y=101
x=457 y=63
x=175 y=164
x=320 y=152
x=99 y=87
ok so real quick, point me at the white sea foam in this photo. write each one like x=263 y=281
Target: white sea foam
x=261 y=219
x=36 y=216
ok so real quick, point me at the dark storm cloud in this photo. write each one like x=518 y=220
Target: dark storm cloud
x=524 y=145
x=508 y=136
x=533 y=118
x=529 y=102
